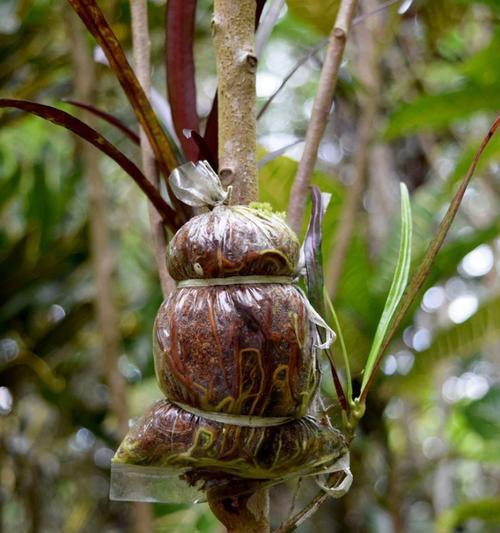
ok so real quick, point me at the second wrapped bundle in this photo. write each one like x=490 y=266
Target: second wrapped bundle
x=237 y=340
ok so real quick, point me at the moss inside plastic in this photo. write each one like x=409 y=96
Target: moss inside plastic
x=206 y=453
x=236 y=339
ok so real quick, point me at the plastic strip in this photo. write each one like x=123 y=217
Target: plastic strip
x=198 y=185
x=234 y=280
x=341 y=465
x=236 y=420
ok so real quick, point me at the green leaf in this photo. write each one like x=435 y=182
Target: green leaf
x=398 y=285
x=486 y=510
x=461 y=340
x=422 y=274
x=483 y=416
x=343 y=347
x=435 y=112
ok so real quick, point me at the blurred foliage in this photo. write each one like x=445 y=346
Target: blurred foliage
x=427 y=455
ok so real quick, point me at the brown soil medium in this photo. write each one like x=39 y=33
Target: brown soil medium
x=233 y=241
x=242 y=349
x=167 y=436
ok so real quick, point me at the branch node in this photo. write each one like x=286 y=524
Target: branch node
x=251 y=62
x=339 y=33
x=227 y=175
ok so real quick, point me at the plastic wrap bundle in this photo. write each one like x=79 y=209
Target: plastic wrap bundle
x=235 y=355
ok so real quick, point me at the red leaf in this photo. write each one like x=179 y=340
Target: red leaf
x=204 y=152
x=61 y=118
x=211 y=135
x=111 y=119
x=94 y=19
x=179 y=63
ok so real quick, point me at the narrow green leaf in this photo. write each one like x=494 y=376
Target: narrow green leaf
x=422 y=273
x=487 y=510
x=398 y=285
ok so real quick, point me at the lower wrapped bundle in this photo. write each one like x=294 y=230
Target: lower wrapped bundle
x=171 y=438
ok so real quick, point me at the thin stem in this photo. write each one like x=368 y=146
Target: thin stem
x=321 y=111
x=423 y=270
x=296 y=67
x=140 y=37
x=313 y=51
x=102 y=257
x=234 y=40
x=369 y=76
x=296 y=520
x=343 y=348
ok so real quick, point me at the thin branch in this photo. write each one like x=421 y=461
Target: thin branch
x=296 y=520
x=267 y=25
x=369 y=75
x=296 y=67
x=140 y=35
x=234 y=41
x=423 y=270
x=313 y=51
x=321 y=111
x=102 y=258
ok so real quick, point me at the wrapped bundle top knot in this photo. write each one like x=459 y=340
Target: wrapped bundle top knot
x=229 y=240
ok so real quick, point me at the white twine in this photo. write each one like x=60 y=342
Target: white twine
x=341 y=465
x=250 y=421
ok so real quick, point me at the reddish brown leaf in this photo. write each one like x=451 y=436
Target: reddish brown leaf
x=94 y=19
x=204 y=152
x=211 y=135
x=108 y=117
x=179 y=63
x=61 y=118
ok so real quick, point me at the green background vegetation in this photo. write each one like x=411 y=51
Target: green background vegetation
x=427 y=454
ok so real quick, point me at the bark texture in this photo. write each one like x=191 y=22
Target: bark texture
x=234 y=41
x=320 y=113
x=141 y=45
x=233 y=33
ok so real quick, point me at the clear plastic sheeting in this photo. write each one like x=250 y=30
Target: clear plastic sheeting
x=233 y=241
x=239 y=349
x=197 y=185
x=194 y=453
x=150 y=484
x=235 y=346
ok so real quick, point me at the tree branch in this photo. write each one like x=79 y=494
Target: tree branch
x=320 y=113
x=102 y=258
x=233 y=34
x=141 y=44
x=368 y=38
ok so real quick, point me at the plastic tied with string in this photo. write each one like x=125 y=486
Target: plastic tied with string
x=235 y=348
